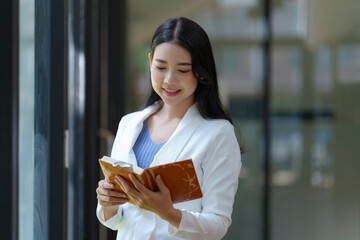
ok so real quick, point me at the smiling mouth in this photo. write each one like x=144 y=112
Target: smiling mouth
x=171 y=92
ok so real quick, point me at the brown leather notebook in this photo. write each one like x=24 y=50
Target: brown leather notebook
x=180 y=177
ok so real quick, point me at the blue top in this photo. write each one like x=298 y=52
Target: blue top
x=144 y=148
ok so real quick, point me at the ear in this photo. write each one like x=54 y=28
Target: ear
x=150 y=60
x=198 y=76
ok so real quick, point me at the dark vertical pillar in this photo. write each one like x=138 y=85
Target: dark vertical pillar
x=266 y=114
x=15 y=121
x=56 y=161
x=92 y=123
x=49 y=119
x=9 y=118
x=42 y=119
x=117 y=62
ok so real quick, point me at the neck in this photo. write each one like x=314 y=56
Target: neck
x=170 y=112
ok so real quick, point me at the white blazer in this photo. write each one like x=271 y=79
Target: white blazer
x=215 y=152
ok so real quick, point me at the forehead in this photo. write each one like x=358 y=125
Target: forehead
x=171 y=51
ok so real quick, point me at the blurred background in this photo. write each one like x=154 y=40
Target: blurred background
x=289 y=75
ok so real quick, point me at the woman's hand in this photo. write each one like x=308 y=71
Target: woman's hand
x=157 y=202
x=110 y=199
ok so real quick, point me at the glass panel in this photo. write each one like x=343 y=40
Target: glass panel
x=323 y=79
x=287 y=78
x=26 y=119
x=315 y=122
x=287 y=147
x=289 y=18
x=349 y=62
x=240 y=84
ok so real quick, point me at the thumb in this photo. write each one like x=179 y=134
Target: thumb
x=161 y=184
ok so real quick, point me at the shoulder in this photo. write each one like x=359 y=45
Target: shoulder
x=130 y=116
x=216 y=131
x=141 y=114
x=208 y=127
x=217 y=126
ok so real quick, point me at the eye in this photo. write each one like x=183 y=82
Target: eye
x=184 y=71
x=160 y=68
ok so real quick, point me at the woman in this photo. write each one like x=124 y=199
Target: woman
x=183 y=119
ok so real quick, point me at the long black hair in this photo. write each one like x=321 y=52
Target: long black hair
x=193 y=38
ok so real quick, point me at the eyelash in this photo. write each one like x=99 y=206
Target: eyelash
x=162 y=68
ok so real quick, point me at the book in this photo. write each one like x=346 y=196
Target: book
x=179 y=177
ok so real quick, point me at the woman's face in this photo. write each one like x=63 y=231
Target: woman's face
x=171 y=75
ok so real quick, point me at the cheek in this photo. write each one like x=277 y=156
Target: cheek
x=193 y=83
x=156 y=81
x=155 y=76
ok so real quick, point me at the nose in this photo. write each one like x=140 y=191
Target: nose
x=170 y=78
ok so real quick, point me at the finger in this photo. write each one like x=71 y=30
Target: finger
x=139 y=186
x=109 y=192
x=111 y=200
x=161 y=184
x=132 y=192
x=105 y=184
x=120 y=181
x=105 y=204
x=125 y=186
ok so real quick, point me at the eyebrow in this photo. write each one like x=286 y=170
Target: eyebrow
x=180 y=64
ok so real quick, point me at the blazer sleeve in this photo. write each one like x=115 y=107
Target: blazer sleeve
x=221 y=168
x=112 y=223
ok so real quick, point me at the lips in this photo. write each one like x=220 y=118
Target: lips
x=171 y=92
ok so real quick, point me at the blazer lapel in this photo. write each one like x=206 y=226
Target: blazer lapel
x=133 y=130
x=172 y=148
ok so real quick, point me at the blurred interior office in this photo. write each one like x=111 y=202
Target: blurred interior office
x=289 y=75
